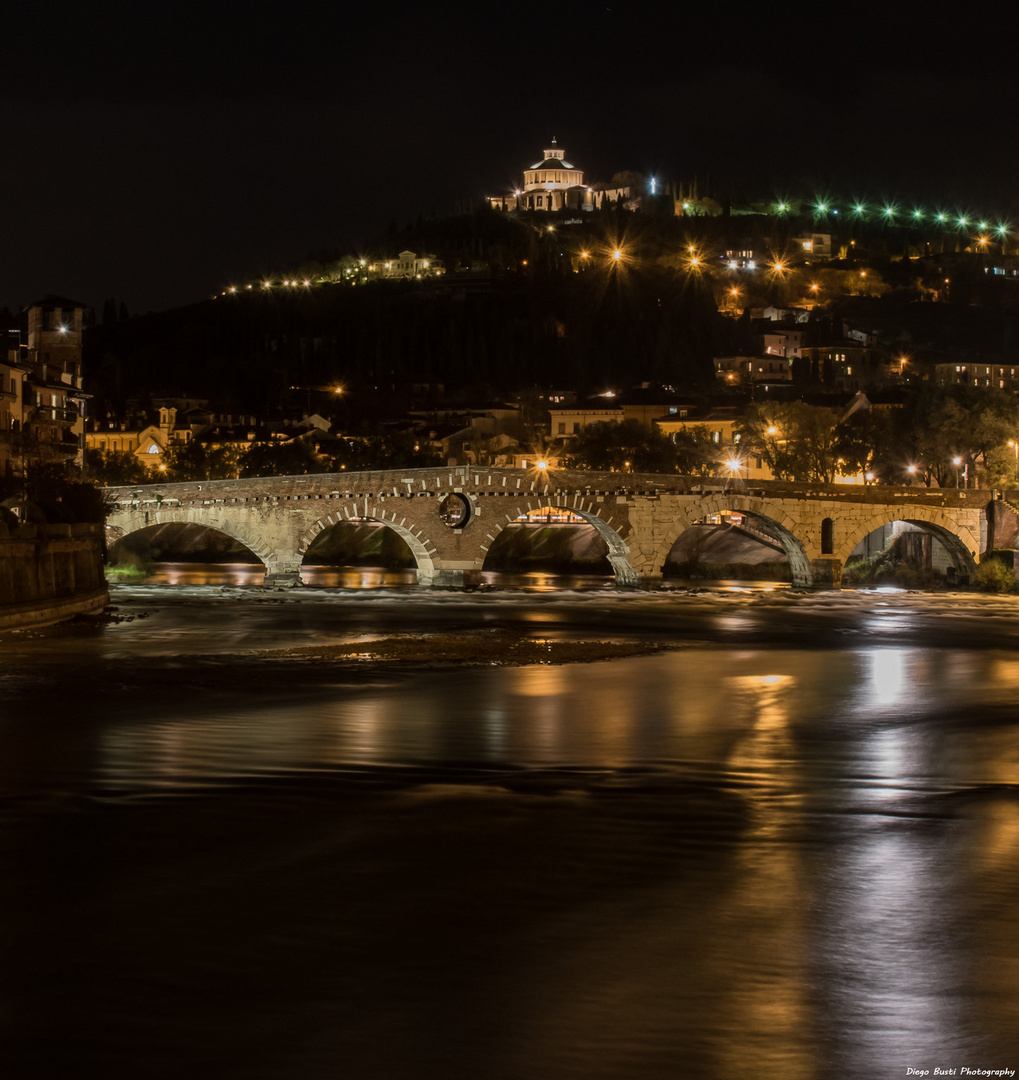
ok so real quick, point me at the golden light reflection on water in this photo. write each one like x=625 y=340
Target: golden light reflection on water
x=541 y=681
x=745 y=712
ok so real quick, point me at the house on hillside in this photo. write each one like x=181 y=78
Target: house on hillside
x=409 y=264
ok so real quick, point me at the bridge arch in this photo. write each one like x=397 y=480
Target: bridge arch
x=617 y=553
x=956 y=538
x=138 y=520
x=421 y=547
x=776 y=521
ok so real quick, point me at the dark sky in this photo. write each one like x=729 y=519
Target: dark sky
x=155 y=153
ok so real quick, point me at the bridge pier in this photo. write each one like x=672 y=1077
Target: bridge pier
x=455 y=579
x=826 y=573
x=282 y=579
x=282 y=572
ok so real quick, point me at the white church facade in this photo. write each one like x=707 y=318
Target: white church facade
x=554 y=184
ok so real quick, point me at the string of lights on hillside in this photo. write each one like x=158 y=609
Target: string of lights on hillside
x=982 y=231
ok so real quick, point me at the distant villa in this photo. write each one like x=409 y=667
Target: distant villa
x=554 y=184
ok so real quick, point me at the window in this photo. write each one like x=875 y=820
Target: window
x=561 y=428
x=576 y=426
x=827 y=537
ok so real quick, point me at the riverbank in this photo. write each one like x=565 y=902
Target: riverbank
x=49 y=573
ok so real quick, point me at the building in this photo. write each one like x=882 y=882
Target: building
x=817 y=244
x=643 y=404
x=409 y=264
x=41 y=397
x=997 y=376
x=553 y=184
x=785 y=343
x=12 y=400
x=148 y=444
x=721 y=427
x=844 y=365
x=734 y=370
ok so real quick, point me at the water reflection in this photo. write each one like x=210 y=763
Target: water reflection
x=712 y=862
x=887 y=949
x=360 y=577
x=783 y=720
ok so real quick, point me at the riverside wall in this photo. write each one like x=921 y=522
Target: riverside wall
x=49 y=573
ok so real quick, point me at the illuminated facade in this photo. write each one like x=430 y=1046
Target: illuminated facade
x=408 y=264
x=147 y=444
x=40 y=386
x=554 y=184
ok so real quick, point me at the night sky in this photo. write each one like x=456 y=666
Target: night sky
x=155 y=153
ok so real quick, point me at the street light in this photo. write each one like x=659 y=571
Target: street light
x=957 y=461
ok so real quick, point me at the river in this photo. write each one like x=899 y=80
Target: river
x=777 y=835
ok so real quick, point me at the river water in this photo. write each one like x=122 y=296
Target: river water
x=786 y=844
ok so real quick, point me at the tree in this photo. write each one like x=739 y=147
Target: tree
x=971 y=423
x=294 y=458
x=797 y=441
x=111 y=468
x=628 y=446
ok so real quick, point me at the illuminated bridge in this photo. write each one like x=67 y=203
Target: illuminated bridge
x=450 y=517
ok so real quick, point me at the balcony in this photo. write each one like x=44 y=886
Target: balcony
x=56 y=414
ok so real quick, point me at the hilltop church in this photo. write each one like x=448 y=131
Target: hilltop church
x=554 y=184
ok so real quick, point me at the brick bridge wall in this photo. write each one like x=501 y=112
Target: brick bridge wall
x=640 y=516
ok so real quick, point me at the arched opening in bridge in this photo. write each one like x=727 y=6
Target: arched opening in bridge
x=550 y=547
x=909 y=554
x=361 y=553
x=181 y=553
x=736 y=546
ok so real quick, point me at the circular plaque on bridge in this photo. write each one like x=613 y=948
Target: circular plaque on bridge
x=455 y=511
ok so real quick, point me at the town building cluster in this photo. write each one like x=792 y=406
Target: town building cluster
x=41 y=395
x=857 y=358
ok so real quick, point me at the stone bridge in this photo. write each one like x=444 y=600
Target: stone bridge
x=450 y=517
